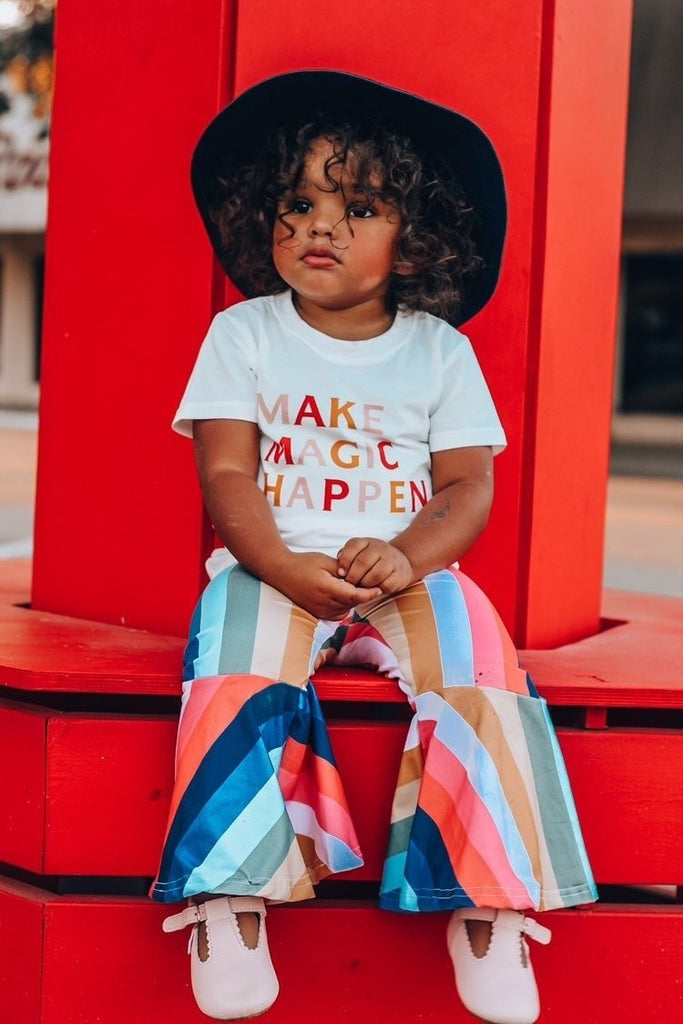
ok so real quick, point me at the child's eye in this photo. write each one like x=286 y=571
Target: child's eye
x=301 y=206
x=361 y=212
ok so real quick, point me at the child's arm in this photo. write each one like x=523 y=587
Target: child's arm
x=443 y=530
x=227 y=454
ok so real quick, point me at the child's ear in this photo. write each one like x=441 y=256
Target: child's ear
x=403 y=268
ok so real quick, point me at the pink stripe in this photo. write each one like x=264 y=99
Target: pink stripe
x=367 y=650
x=487 y=646
x=330 y=817
x=445 y=768
x=200 y=695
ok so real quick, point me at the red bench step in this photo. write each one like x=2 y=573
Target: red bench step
x=105 y=960
x=634 y=662
x=95 y=791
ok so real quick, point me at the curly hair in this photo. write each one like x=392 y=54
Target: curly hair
x=436 y=221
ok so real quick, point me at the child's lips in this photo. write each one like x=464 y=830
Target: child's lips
x=320 y=259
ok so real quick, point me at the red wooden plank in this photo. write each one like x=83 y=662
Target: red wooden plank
x=368 y=756
x=22 y=784
x=627 y=784
x=571 y=348
x=21 y=952
x=108 y=781
x=611 y=965
x=595 y=718
x=108 y=791
x=43 y=651
x=635 y=663
x=347 y=961
x=128 y=296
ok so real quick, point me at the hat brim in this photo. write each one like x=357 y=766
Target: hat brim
x=236 y=135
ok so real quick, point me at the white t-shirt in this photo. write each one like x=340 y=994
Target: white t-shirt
x=347 y=427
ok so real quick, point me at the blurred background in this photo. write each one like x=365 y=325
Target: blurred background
x=644 y=527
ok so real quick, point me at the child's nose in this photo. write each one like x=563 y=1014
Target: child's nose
x=322 y=223
x=319 y=228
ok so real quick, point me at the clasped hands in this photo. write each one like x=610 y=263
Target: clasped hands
x=364 y=569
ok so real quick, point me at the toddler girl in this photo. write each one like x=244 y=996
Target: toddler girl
x=344 y=438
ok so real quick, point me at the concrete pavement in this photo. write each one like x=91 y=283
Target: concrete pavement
x=643 y=530
x=18 y=449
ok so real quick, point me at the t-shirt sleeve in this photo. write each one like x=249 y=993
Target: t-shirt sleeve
x=465 y=415
x=222 y=384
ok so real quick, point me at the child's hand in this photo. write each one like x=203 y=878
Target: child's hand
x=311 y=581
x=367 y=562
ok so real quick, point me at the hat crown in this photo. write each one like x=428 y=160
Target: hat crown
x=235 y=137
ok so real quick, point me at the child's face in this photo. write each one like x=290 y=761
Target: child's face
x=342 y=251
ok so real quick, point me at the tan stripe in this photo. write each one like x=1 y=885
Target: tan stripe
x=270 y=634
x=405 y=800
x=408 y=627
x=411 y=766
x=324 y=655
x=386 y=620
x=283 y=639
x=316 y=869
x=490 y=721
x=296 y=660
x=419 y=625
x=292 y=880
x=514 y=732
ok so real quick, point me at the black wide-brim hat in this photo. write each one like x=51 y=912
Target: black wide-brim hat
x=439 y=136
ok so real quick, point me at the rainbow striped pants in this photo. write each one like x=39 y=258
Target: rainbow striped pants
x=482 y=813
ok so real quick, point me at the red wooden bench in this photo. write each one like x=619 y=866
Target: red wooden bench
x=86 y=770
x=89 y=704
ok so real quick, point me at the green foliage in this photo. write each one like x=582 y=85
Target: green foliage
x=31 y=41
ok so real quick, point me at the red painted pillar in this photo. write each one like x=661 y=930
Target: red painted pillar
x=129 y=287
x=128 y=294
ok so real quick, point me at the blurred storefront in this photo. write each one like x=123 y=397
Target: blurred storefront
x=648 y=394
x=25 y=93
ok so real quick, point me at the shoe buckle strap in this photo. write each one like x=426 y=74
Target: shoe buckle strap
x=191 y=915
x=536 y=931
x=247 y=904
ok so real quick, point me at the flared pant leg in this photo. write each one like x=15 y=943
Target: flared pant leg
x=483 y=814
x=258 y=807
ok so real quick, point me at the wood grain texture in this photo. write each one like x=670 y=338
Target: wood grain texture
x=106 y=960
x=105 y=784
x=634 y=661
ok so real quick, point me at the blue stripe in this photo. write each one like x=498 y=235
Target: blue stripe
x=270 y=712
x=339 y=856
x=217 y=845
x=428 y=866
x=452 y=627
x=462 y=741
x=423 y=879
x=238 y=630
x=192 y=646
x=212 y=808
x=237 y=766
x=311 y=728
x=570 y=805
x=394 y=873
x=207 y=628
